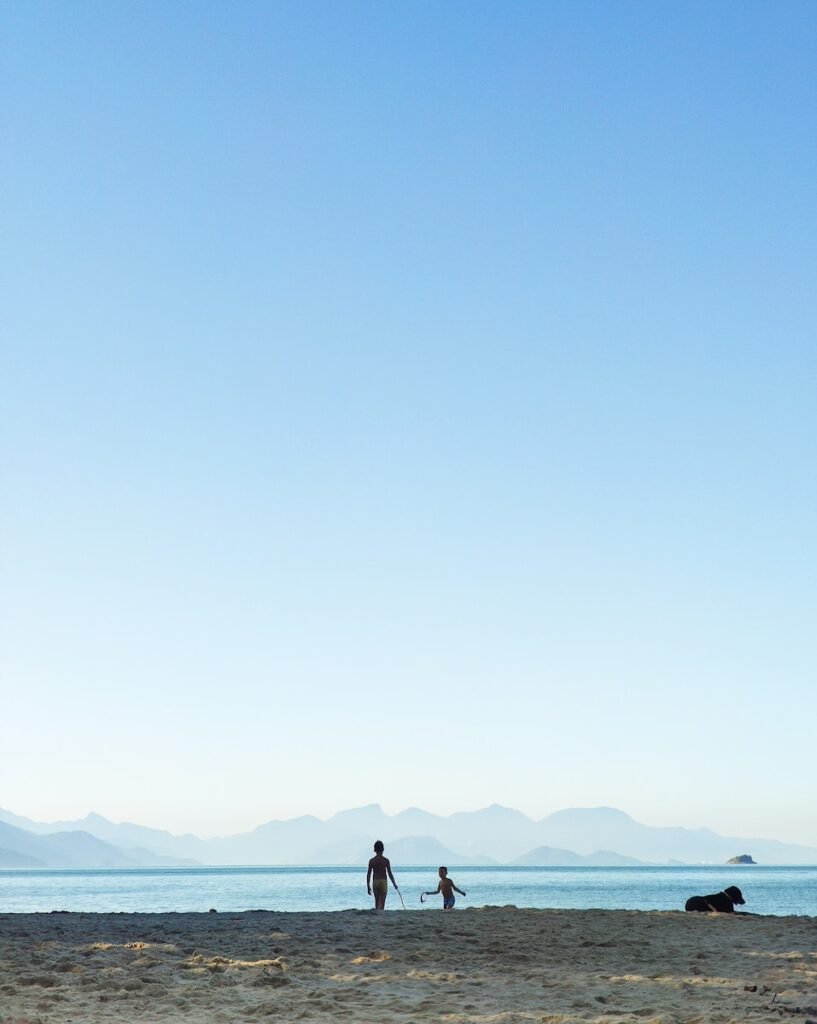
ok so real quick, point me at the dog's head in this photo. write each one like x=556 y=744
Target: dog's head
x=734 y=894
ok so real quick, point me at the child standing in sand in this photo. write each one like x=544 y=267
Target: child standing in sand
x=376 y=877
x=447 y=888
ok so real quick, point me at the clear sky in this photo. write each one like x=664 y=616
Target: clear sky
x=410 y=403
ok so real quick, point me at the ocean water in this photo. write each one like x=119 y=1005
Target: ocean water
x=767 y=890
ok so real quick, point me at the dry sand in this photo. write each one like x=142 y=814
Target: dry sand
x=497 y=965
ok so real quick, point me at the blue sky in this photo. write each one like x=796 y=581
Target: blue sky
x=409 y=403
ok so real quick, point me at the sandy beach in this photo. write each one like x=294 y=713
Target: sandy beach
x=489 y=966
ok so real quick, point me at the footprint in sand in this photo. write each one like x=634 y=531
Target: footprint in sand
x=43 y=980
x=271 y=981
x=67 y=967
x=378 y=956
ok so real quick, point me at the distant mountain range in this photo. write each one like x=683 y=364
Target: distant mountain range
x=70 y=848
x=494 y=835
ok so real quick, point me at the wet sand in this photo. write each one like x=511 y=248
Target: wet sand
x=488 y=966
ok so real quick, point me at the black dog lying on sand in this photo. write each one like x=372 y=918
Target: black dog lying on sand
x=721 y=901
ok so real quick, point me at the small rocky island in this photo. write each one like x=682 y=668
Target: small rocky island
x=742 y=858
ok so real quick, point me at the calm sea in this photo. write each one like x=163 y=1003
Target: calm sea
x=767 y=890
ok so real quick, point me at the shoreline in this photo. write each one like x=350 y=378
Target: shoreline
x=491 y=965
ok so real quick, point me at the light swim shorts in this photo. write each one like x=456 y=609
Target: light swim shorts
x=380 y=885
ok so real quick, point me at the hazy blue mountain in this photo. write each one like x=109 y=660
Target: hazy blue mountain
x=586 y=829
x=600 y=835
x=13 y=859
x=145 y=846
x=347 y=852
x=369 y=820
x=548 y=856
x=608 y=859
x=184 y=848
x=580 y=828
x=343 y=839
x=425 y=851
x=61 y=849
x=415 y=822
x=293 y=841
x=496 y=831
x=408 y=851
x=18 y=821
x=72 y=848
